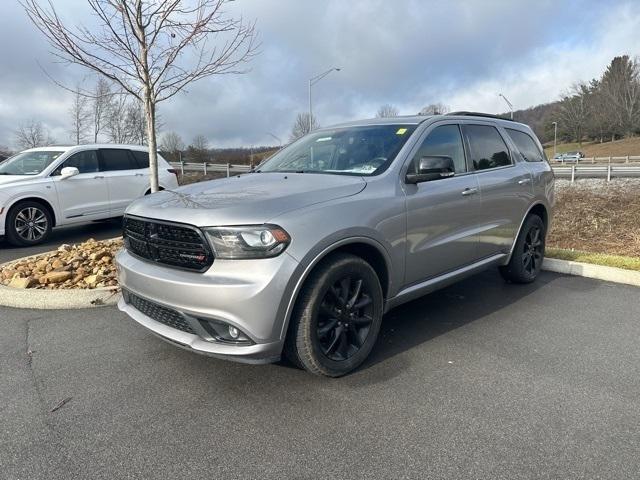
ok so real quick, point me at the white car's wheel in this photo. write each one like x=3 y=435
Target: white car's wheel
x=28 y=223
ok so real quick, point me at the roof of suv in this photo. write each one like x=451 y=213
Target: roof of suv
x=417 y=119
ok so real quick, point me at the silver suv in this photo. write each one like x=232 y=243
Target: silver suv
x=306 y=254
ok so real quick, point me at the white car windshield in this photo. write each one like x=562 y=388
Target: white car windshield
x=366 y=150
x=28 y=163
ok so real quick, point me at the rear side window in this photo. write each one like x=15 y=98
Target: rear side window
x=487 y=148
x=142 y=158
x=526 y=145
x=85 y=162
x=444 y=140
x=116 y=159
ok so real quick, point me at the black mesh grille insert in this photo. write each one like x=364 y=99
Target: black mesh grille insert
x=161 y=314
x=180 y=246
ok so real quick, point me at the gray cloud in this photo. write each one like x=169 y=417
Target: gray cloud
x=405 y=52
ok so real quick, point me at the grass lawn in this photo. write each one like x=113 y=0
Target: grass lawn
x=619 y=148
x=628 y=263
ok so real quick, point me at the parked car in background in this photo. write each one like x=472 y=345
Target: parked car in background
x=571 y=156
x=48 y=187
x=307 y=253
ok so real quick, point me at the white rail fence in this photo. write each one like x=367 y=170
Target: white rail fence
x=608 y=171
x=210 y=167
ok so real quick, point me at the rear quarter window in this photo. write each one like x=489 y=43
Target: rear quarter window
x=526 y=145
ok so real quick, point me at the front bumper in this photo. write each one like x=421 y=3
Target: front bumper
x=243 y=293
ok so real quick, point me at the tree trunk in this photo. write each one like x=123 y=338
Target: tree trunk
x=150 y=114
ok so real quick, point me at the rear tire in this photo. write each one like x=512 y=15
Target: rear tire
x=337 y=317
x=28 y=223
x=528 y=252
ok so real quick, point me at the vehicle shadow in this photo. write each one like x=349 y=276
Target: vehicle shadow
x=421 y=320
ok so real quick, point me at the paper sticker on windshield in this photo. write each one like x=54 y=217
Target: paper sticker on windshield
x=401 y=131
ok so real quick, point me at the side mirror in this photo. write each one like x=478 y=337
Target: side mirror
x=433 y=167
x=68 y=172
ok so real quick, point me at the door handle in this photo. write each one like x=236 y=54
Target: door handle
x=99 y=176
x=469 y=191
x=524 y=181
x=139 y=174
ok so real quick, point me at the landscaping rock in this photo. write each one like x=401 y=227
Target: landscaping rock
x=87 y=265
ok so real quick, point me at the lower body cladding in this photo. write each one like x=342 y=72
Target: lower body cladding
x=233 y=311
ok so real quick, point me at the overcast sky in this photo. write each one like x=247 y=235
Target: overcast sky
x=406 y=52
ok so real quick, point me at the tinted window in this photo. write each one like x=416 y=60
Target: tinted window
x=526 y=145
x=487 y=148
x=142 y=158
x=445 y=140
x=85 y=162
x=117 y=159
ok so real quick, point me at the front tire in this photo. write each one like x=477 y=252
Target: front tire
x=337 y=317
x=28 y=223
x=528 y=252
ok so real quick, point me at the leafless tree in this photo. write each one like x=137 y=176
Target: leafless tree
x=80 y=114
x=387 y=110
x=572 y=111
x=435 y=109
x=301 y=125
x=145 y=47
x=100 y=102
x=172 y=144
x=116 y=119
x=199 y=149
x=135 y=124
x=32 y=134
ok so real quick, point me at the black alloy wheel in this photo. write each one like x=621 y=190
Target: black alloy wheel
x=337 y=316
x=345 y=318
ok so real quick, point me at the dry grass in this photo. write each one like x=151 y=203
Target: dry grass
x=603 y=220
x=618 y=261
x=619 y=148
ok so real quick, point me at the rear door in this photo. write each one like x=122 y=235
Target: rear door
x=442 y=215
x=84 y=196
x=505 y=187
x=124 y=178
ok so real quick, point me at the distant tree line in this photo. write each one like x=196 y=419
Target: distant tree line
x=603 y=109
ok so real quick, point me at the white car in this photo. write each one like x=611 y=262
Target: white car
x=48 y=187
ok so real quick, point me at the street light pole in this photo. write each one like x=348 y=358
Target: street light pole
x=312 y=82
x=508 y=103
x=555 y=137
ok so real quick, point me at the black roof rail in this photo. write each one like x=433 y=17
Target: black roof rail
x=480 y=114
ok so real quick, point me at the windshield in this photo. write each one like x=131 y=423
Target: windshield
x=346 y=151
x=28 y=163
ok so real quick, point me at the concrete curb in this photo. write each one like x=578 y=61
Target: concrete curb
x=600 y=272
x=56 y=299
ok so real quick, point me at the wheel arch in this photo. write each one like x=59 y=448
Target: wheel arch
x=366 y=248
x=538 y=208
x=45 y=203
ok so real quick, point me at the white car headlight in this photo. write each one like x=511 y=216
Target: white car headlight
x=251 y=241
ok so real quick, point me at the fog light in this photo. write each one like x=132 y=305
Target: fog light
x=234 y=332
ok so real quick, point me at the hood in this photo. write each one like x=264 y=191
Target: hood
x=5 y=179
x=248 y=199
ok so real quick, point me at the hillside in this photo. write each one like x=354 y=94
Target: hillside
x=619 y=148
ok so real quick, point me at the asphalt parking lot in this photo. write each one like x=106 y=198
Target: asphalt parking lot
x=480 y=380
x=80 y=233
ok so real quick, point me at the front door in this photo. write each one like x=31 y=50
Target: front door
x=84 y=196
x=441 y=214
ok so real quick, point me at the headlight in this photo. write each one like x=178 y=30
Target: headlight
x=252 y=241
